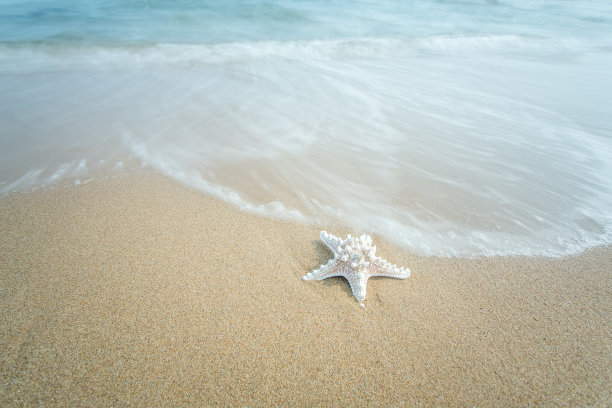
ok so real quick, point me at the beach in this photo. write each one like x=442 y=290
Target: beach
x=137 y=290
x=166 y=170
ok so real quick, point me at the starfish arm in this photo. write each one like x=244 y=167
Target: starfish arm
x=331 y=241
x=358 y=282
x=331 y=268
x=380 y=267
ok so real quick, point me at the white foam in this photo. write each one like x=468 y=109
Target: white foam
x=193 y=178
x=25 y=182
x=72 y=171
x=61 y=57
x=80 y=169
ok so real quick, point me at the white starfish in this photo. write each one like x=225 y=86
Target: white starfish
x=354 y=258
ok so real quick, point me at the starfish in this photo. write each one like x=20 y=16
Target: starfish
x=354 y=258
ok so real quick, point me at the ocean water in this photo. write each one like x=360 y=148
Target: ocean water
x=453 y=128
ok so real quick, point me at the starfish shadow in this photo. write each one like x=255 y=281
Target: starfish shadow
x=324 y=254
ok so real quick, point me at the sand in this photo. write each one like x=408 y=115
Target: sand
x=139 y=291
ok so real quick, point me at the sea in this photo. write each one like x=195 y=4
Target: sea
x=449 y=127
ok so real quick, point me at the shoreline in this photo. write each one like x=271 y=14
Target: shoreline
x=138 y=290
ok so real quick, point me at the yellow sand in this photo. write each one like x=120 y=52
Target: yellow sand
x=139 y=291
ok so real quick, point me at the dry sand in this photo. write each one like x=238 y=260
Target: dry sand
x=139 y=291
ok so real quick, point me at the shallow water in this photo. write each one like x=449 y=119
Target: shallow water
x=451 y=128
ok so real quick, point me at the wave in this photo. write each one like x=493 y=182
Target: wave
x=446 y=144
x=37 y=56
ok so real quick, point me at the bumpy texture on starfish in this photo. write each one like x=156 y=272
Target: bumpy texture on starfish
x=354 y=258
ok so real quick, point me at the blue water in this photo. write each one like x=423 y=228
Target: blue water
x=449 y=127
x=196 y=22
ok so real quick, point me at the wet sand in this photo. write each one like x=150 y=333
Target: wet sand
x=139 y=291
